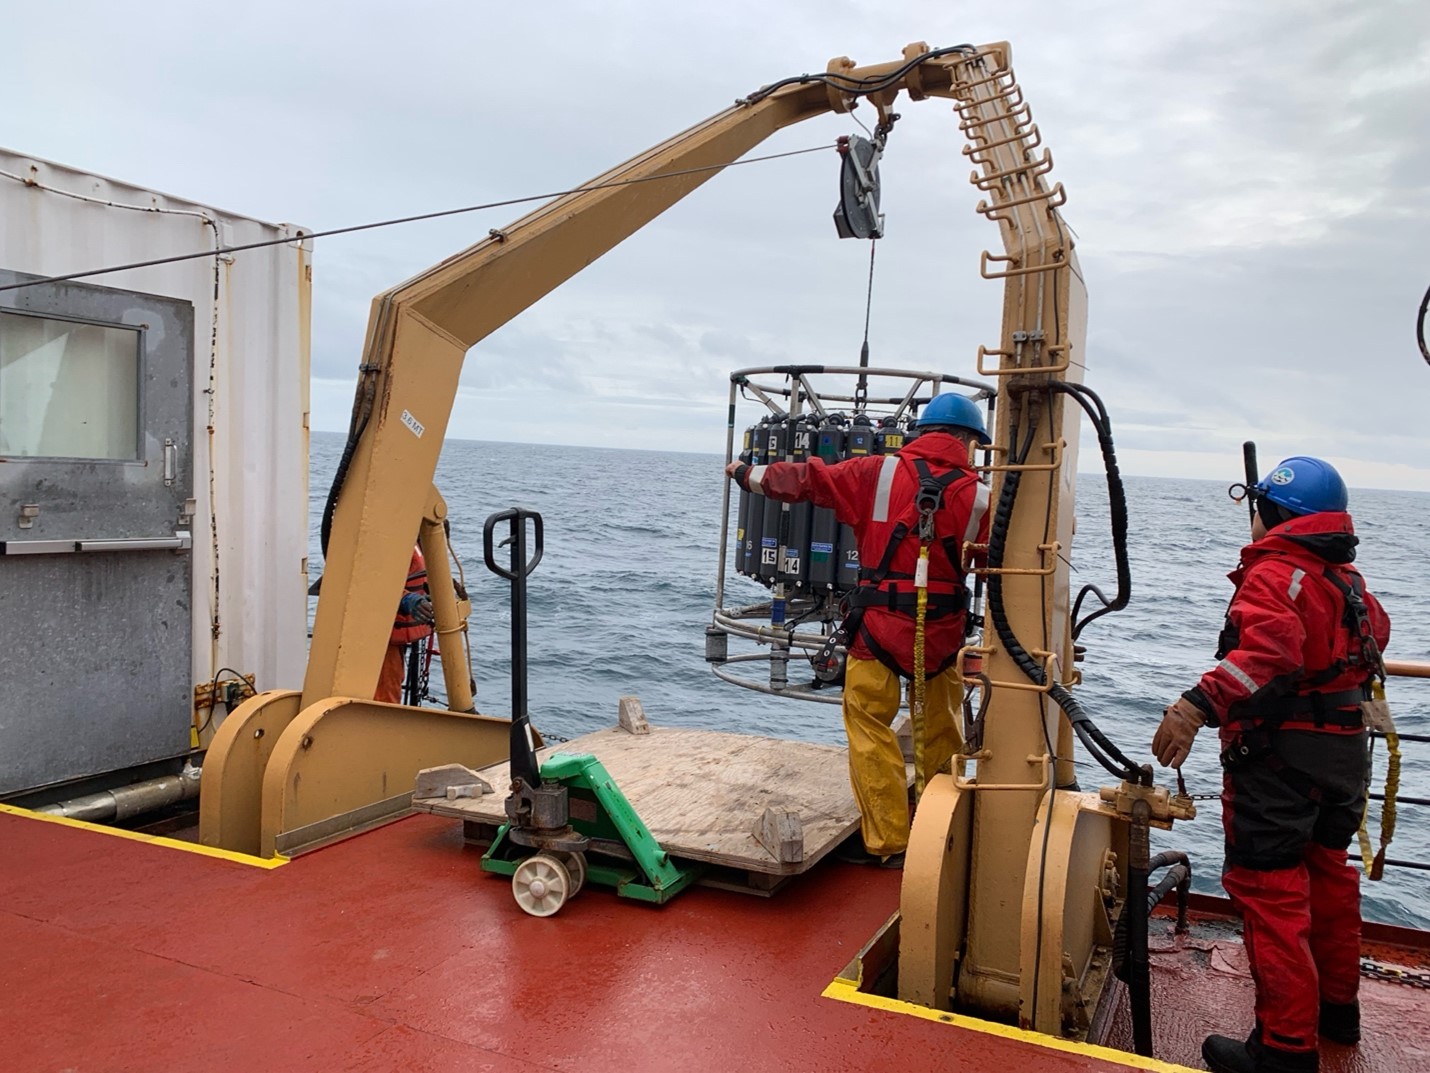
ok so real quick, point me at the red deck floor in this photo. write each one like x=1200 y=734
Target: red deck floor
x=1201 y=983
x=392 y=951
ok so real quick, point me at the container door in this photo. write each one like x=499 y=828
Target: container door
x=96 y=486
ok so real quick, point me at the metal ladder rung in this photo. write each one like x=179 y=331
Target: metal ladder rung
x=1056 y=198
x=1028 y=571
x=1025 y=370
x=1053 y=448
x=1052 y=266
x=1031 y=131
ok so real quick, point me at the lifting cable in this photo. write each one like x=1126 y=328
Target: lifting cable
x=861 y=392
x=301 y=236
x=366 y=394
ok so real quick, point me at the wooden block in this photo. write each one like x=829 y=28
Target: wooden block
x=782 y=834
x=442 y=781
x=632 y=716
x=905 y=733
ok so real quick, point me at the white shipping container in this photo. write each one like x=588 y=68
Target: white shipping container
x=250 y=365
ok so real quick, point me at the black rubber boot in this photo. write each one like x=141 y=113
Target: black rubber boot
x=1226 y=1055
x=1223 y=1054
x=1340 y=1022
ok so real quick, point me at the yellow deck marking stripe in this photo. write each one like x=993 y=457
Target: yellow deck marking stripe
x=843 y=990
x=154 y=840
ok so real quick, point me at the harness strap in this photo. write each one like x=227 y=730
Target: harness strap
x=1357 y=620
x=878 y=575
x=929 y=496
x=1325 y=709
x=884 y=656
x=870 y=594
x=1334 y=709
x=906 y=601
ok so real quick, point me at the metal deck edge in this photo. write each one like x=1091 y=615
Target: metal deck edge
x=153 y=840
x=843 y=989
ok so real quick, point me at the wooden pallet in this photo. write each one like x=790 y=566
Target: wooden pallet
x=721 y=799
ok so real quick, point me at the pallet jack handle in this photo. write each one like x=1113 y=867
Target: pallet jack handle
x=523 y=748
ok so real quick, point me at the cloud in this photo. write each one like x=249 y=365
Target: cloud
x=1247 y=186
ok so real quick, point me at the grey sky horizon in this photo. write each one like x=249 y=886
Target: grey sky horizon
x=1248 y=187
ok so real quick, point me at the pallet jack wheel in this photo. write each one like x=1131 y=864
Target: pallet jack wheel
x=575 y=864
x=541 y=884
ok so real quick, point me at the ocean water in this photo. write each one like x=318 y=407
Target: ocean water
x=620 y=601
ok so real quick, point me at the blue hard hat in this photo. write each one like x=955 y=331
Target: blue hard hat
x=1304 y=485
x=958 y=411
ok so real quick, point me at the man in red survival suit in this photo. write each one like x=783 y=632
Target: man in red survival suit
x=878 y=496
x=413 y=623
x=1301 y=644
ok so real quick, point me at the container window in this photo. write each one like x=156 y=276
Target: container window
x=68 y=390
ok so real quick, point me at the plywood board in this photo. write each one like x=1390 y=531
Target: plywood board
x=702 y=792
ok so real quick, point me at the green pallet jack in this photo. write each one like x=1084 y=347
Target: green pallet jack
x=568 y=822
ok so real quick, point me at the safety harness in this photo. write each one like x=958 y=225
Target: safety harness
x=1376 y=713
x=1337 y=709
x=1363 y=705
x=880 y=589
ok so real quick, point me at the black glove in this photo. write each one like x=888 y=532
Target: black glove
x=417 y=607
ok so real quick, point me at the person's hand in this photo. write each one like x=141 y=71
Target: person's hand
x=1172 y=743
x=417 y=607
x=739 y=472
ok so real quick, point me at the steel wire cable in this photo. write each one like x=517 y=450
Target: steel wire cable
x=301 y=236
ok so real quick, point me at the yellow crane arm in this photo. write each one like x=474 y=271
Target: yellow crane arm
x=419 y=333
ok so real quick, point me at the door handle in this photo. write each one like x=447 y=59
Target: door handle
x=182 y=540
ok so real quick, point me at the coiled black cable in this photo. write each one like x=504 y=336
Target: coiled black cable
x=1116 y=504
x=1420 y=326
x=1098 y=745
x=362 y=411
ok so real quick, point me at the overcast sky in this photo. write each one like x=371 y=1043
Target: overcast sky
x=1249 y=184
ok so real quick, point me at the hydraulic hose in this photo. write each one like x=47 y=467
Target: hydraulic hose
x=1131 y=961
x=362 y=411
x=1178 y=876
x=1116 y=505
x=1420 y=326
x=1097 y=744
x=1137 y=967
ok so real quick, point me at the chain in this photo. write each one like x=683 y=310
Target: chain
x=1376 y=971
x=1182 y=790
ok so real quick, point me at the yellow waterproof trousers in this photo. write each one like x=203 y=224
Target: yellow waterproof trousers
x=876 y=763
